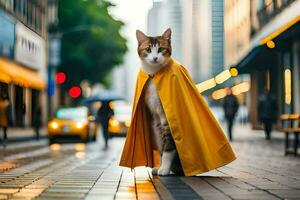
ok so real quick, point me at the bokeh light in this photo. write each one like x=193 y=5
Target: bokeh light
x=60 y=78
x=75 y=92
x=271 y=44
x=234 y=72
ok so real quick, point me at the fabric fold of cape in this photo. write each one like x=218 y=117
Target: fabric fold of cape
x=200 y=141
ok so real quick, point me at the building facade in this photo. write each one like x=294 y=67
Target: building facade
x=198 y=33
x=236 y=30
x=23 y=56
x=217 y=31
x=163 y=15
x=273 y=58
x=197 y=38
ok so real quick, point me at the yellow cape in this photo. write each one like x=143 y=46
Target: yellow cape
x=200 y=141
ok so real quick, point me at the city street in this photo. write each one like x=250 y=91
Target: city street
x=32 y=169
x=77 y=76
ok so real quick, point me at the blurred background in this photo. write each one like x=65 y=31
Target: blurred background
x=58 y=54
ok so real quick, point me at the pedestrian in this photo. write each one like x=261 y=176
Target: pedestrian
x=267 y=112
x=37 y=122
x=230 y=106
x=104 y=113
x=4 y=115
x=23 y=114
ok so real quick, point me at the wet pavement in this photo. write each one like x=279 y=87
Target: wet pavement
x=35 y=170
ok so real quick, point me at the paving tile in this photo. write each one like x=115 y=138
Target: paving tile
x=2 y=196
x=238 y=183
x=59 y=186
x=63 y=195
x=56 y=198
x=99 y=197
x=64 y=190
x=203 y=189
x=255 y=197
x=20 y=198
x=286 y=193
x=144 y=186
x=129 y=195
x=8 y=191
x=178 y=188
x=272 y=186
x=96 y=191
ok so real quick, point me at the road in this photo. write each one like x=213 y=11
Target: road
x=35 y=170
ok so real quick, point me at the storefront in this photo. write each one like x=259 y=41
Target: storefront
x=22 y=69
x=274 y=64
x=23 y=88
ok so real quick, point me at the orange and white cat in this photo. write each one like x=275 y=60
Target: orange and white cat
x=155 y=53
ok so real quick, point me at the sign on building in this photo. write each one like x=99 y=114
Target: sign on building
x=30 y=48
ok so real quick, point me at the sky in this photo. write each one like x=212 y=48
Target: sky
x=134 y=14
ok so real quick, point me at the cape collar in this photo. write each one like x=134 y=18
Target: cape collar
x=162 y=70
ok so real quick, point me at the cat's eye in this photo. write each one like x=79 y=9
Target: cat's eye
x=148 y=49
x=160 y=49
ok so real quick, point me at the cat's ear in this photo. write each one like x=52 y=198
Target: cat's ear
x=140 y=36
x=167 y=34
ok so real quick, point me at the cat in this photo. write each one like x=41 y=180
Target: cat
x=155 y=54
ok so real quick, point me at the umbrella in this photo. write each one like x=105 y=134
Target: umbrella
x=105 y=95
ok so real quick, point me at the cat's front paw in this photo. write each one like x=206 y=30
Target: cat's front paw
x=163 y=171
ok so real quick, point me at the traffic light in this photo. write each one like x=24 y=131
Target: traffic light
x=60 y=78
x=75 y=92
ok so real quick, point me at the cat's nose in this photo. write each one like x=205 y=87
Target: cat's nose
x=155 y=58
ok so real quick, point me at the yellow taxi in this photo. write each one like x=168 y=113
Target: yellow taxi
x=120 y=121
x=72 y=123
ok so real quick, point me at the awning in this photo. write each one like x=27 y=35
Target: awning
x=290 y=29
x=11 y=72
x=244 y=65
x=4 y=78
x=260 y=56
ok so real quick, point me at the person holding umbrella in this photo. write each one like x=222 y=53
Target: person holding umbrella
x=104 y=113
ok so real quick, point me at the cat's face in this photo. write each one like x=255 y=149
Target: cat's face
x=154 y=51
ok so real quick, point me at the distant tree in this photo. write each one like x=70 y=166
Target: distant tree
x=91 y=41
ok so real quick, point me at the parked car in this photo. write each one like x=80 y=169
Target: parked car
x=119 y=123
x=72 y=123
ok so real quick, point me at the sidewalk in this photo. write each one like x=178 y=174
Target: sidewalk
x=245 y=138
x=23 y=134
x=261 y=171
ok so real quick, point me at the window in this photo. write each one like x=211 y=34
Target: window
x=8 y=4
x=260 y=5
